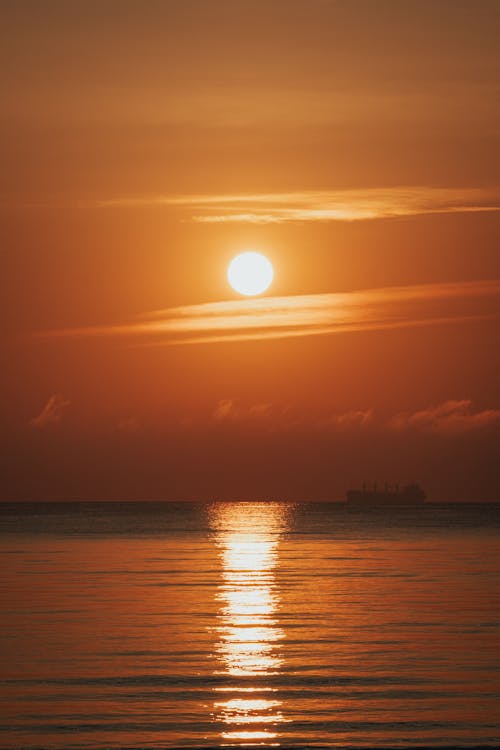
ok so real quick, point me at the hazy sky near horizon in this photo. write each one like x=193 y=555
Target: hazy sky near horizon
x=144 y=144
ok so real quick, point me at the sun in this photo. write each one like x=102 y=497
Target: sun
x=250 y=273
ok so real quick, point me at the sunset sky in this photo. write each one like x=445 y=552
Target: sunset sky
x=144 y=144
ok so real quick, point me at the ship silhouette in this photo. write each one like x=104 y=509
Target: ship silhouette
x=389 y=496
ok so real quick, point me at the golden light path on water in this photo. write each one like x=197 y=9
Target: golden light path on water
x=249 y=635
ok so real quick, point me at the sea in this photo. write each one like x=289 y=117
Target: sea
x=249 y=625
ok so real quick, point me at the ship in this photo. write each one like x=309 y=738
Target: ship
x=387 y=497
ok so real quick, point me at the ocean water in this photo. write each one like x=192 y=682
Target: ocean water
x=249 y=625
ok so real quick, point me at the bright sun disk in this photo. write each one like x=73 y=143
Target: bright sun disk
x=250 y=273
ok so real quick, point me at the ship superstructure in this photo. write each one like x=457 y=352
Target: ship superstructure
x=392 y=496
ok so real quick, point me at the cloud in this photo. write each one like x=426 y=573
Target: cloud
x=228 y=410
x=127 y=425
x=352 y=419
x=289 y=417
x=51 y=413
x=324 y=205
x=306 y=315
x=448 y=418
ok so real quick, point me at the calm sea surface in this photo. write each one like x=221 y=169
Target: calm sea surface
x=249 y=625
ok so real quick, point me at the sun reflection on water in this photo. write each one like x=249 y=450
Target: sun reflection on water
x=249 y=636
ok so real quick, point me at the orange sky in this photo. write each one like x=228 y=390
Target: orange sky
x=144 y=144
